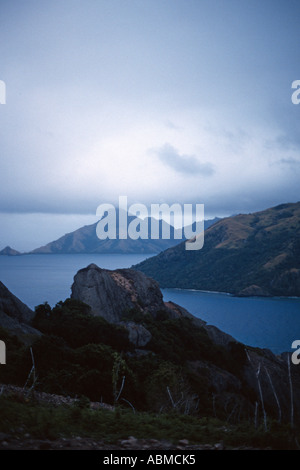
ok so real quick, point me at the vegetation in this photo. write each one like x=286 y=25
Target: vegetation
x=45 y=422
x=261 y=249
x=165 y=390
x=80 y=354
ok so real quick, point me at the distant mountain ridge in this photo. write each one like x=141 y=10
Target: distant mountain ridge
x=85 y=240
x=247 y=254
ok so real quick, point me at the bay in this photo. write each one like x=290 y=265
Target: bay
x=272 y=323
x=264 y=322
x=36 y=279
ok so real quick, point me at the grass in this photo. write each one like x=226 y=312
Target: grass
x=48 y=422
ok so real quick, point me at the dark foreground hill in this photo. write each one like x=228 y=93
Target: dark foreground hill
x=116 y=341
x=247 y=254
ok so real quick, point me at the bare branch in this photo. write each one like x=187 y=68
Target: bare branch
x=122 y=385
x=261 y=396
x=171 y=398
x=133 y=409
x=291 y=390
x=275 y=395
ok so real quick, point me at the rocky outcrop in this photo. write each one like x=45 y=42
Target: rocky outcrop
x=114 y=294
x=176 y=311
x=13 y=307
x=25 y=333
x=15 y=316
x=217 y=336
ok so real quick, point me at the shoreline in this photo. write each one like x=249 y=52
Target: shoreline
x=228 y=294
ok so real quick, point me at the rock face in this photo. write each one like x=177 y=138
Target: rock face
x=13 y=307
x=113 y=294
x=15 y=316
x=217 y=336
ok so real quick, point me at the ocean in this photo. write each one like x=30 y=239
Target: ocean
x=272 y=323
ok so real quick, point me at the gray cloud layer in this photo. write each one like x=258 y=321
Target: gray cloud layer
x=92 y=85
x=188 y=164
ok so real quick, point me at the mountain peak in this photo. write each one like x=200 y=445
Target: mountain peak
x=9 y=251
x=85 y=240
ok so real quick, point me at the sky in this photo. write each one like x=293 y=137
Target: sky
x=175 y=101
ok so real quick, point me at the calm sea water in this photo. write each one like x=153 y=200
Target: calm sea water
x=272 y=323
x=36 y=279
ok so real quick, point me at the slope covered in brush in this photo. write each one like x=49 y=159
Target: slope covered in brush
x=247 y=254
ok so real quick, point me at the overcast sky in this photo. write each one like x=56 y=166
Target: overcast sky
x=171 y=101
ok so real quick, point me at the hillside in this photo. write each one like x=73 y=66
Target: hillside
x=166 y=374
x=85 y=240
x=15 y=316
x=247 y=254
x=9 y=251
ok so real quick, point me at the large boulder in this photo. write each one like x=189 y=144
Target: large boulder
x=113 y=294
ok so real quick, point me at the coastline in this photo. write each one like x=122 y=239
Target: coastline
x=279 y=297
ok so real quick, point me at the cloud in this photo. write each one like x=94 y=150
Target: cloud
x=290 y=161
x=188 y=164
x=170 y=125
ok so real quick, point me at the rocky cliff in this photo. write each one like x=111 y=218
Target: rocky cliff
x=113 y=294
x=15 y=316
